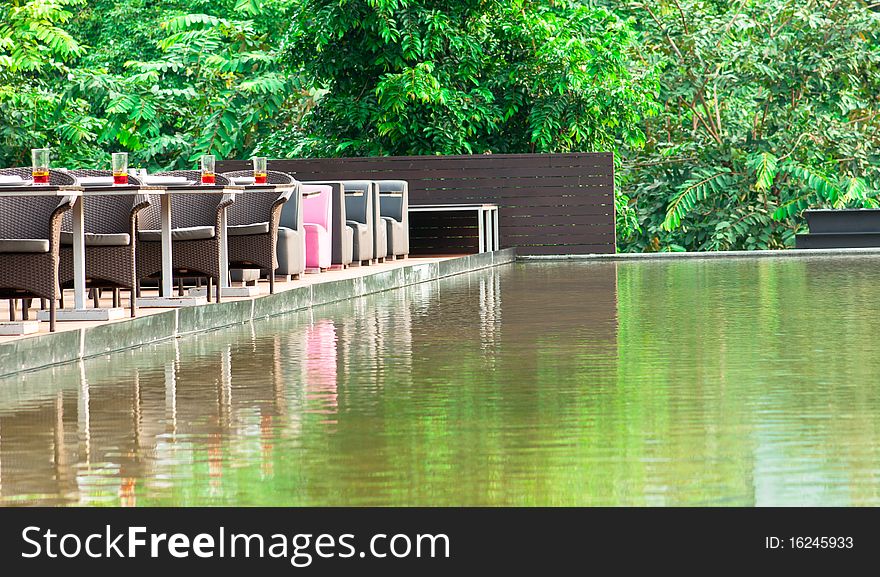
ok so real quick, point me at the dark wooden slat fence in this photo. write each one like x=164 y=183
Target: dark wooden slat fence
x=548 y=203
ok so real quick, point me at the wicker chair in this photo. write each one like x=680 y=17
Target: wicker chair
x=195 y=223
x=31 y=227
x=110 y=233
x=252 y=225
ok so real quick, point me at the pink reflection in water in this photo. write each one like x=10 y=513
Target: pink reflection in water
x=320 y=366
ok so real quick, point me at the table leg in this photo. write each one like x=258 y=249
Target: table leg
x=487 y=228
x=481 y=217
x=225 y=287
x=495 y=232
x=167 y=299
x=224 y=253
x=79 y=255
x=167 y=266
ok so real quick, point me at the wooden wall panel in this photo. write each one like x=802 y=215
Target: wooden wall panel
x=548 y=203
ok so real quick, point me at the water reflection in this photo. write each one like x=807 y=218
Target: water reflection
x=135 y=424
x=728 y=382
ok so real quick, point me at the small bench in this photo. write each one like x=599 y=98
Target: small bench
x=486 y=216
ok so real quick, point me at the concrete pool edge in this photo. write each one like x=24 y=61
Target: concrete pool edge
x=630 y=256
x=48 y=349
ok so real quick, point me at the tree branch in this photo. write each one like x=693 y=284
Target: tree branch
x=793 y=148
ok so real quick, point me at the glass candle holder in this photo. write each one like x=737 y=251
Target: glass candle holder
x=120 y=168
x=40 y=165
x=260 y=172
x=208 y=175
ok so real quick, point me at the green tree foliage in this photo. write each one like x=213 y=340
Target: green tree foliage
x=474 y=76
x=36 y=50
x=769 y=107
x=214 y=88
x=766 y=107
x=167 y=86
x=409 y=77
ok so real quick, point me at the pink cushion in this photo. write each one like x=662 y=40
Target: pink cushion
x=318 y=246
x=318 y=225
x=320 y=365
x=316 y=208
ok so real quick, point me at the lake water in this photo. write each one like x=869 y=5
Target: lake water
x=710 y=382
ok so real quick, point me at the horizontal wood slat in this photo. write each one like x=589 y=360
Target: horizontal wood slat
x=570 y=249
x=549 y=203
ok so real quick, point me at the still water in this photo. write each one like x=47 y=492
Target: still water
x=722 y=382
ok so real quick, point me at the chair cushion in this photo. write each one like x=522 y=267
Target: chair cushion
x=246 y=229
x=358 y=225
x=314 y=228
x=189 y=233
x=24 y=245
x=244 y=274
x=96 y=239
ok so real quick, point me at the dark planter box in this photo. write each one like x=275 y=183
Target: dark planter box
x=843 y=220
x=838 y=240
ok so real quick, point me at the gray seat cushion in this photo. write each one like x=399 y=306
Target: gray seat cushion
x=246 y=229
x=291 y=251
x=24 y=245
x=362 y=241
x=189 y=233
x=244 y=274
x=357 y=225
x=396 y=236
x=96 y=239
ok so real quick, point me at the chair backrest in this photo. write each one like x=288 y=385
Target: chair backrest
x=30 y=216
x=86 y=172
x=317 y=208
x=292 y=211
x=187 y=209
x=56 y=177
x=195 y=175
x=108 y=214
x=273 y=176
x=394 y=198
x=255 y=206
x=358 y=200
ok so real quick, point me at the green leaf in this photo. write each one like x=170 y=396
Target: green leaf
x=693 y=191
x=764 y=167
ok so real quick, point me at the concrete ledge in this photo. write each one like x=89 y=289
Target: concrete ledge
x=103 y=339
x=72 y=315
x=43 y=350
x=627 y=256
x=20 y=327
x=40 y=351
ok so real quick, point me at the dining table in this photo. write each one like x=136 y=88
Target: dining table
x=167 y=192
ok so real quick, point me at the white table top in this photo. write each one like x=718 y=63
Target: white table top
x=40 y=190
x=452 y=207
